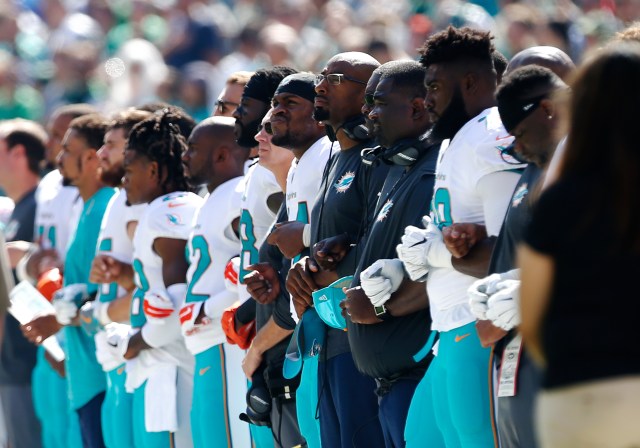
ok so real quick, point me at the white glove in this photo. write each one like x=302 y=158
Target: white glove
x=422 y=249
x=412 y=252
x=382 y=279
x=118 y=336
x=66 y=302
x=157 y=305
x=503 y=306
x=480 y=291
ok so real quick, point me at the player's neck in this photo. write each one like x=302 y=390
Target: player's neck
x=88 y=190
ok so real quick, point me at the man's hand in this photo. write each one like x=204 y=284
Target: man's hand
x=41 y=328
x=357 y=307
x=382 y=279
x=57 y=366
x=263 y=283
x=480 y=291
x=288 y=237
x=461 y=237
x=488 y=333
x=329 y=252
x=300 y=284
x=42 y=261
x=106 y=269
x=251 y=362
x=66 y=302
x=504 y=306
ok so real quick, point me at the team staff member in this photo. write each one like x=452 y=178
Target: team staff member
x=348 y=405
x=384 y=340
x=535 y=130
x=22 y=150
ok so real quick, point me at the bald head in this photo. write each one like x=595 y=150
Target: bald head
x=336 y=104
x=356 y=59
x=213 y=155
x=552 y=58
x=218 y=126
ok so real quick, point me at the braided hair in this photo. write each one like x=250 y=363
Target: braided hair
x=159 y=139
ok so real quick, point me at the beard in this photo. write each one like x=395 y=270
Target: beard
x=247 y=133
x=113 y=176
x=321 y=114
x=452 y=119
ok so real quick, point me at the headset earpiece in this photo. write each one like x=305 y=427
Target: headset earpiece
x=405 y=153
x=355 y=129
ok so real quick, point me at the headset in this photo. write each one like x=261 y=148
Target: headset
x=404 y=153
x=354 y=128
x=258 y=402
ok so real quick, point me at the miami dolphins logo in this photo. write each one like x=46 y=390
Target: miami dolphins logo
x=384 y=212
x=519 y=195
x=345 y=182
x=174 y=219
x=173 y=196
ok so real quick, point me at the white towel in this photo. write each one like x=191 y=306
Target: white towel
x=160 y=399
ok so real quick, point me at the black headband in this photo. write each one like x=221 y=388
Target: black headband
x=258 y=89
x=300 y=84
x=513 y=111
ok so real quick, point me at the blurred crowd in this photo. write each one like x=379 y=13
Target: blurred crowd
x=118 y=53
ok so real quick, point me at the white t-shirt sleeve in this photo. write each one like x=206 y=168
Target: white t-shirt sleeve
x=495 y=202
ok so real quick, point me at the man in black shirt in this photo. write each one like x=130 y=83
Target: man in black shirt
x=22 y=150
x=384 y=341
x=347 y=404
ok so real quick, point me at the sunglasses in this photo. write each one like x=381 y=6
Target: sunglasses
x=222 y=106
x=267 y=128
x=335 y=79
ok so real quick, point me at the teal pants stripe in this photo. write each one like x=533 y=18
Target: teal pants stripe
x=210 y=425
x=460 y=377
x=142 y=438
x=117 y=411
x=307 y=403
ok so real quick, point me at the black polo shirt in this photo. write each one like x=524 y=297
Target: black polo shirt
x=386 y=350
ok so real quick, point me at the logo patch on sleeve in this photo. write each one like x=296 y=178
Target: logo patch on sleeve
x=174 y=219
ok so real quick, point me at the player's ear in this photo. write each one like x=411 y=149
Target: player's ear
x=418 y=109
x=221 y=153
x=153 y=169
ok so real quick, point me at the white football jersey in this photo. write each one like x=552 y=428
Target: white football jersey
x=303 y=184
x=473 y=153
x=114 y=241
x=169 y=216
x=256 y=218
x=56 y=219
x=212 y=243
x=304 y=177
